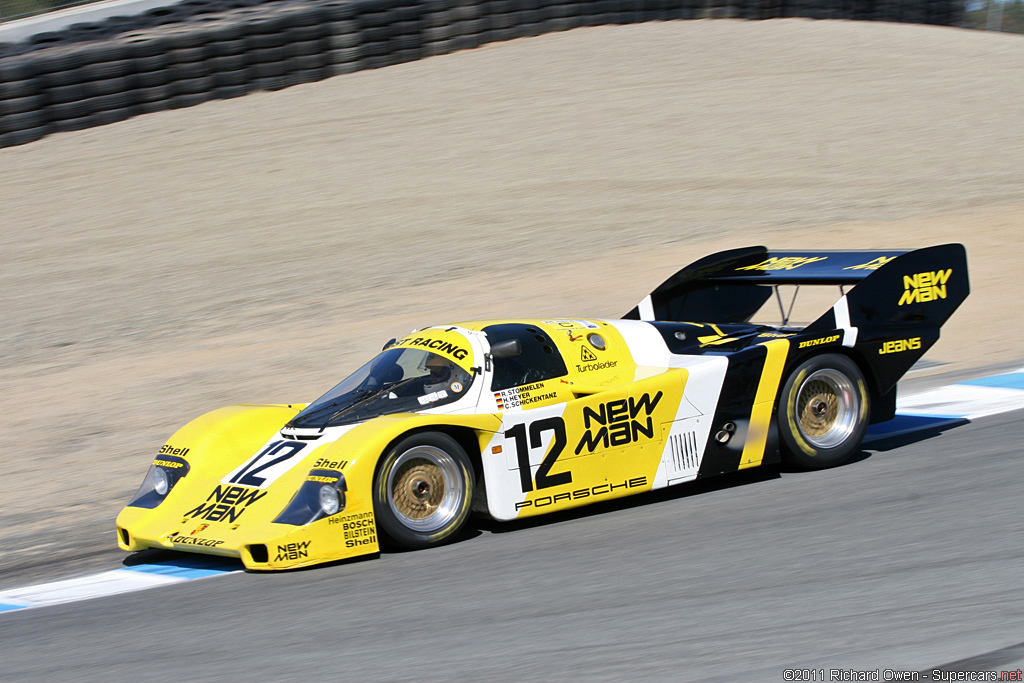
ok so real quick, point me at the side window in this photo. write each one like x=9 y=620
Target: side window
x=539 y=360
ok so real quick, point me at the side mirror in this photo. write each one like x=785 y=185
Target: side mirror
x=390 y=343
x=506 y=349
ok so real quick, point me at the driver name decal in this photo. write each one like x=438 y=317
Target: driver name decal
x=518 y=397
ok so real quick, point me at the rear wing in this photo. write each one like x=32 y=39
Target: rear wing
x=891 y=289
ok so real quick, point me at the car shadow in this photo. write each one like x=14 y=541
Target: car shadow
x=694 y=488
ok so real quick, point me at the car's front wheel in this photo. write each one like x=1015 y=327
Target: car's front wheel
x=423 y=490
x=823 y=411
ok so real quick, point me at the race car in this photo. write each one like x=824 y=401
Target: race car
x=514 y=418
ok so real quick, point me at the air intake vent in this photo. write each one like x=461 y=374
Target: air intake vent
x=259 y=553
x=684 y=452
x=301 y=435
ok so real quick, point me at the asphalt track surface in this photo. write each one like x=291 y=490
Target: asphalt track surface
x=908 y=558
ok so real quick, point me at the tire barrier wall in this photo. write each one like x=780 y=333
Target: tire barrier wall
x=183 y=55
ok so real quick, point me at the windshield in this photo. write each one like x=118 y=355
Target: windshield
x=399 y=380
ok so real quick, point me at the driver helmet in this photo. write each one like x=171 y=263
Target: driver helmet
x=440 y=375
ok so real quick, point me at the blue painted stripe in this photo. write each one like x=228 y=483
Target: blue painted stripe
x=1013 y=380
x=930 y=416
x=7 y=607
x=181 y=572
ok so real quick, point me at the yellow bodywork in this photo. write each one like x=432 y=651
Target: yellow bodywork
x=233 y=519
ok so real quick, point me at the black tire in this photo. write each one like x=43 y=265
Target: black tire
x=192 y=86
x=376 y=50
x=305 y=62
x=266 y=70
x=17 y=105
x=310 y=75
x=228 y=47
x=306 y=48
x=345 y=55
x=47 y=39
x=267 y=55
x=27 y=87
x=27 y=120
x=230 y=91
x=144 y=44
x=423 y=490
x=439 y=47
x=184 y=37
x=75 y=109
x=273 y=83
x=155 y=106
x=339 y=10
x=106 y=70
x=187 y=55
x=342 y=68
x=23 y=137
x=67 y=93
x=230 y=79
x=109 y=116
x=108 y=86
x=228 y=63
x=157 y=93
x=218 y=30
x=153 y=63
x=59 y=79
x=263 y=41
x=188 y=100
x=305 y=34
x=399 y=43
x=823 y=412
x=151 y=79
x=181 y=72
x=343 y=40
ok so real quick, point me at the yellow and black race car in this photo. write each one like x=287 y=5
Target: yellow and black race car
x=516 y=418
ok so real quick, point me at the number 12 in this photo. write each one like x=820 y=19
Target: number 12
x=544 y=480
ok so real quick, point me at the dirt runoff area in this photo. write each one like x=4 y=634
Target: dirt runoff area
x=258 y=249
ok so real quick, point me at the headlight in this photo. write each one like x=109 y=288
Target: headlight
x=330 y=503
x=163 y=474
x=321 y=495
x=161 y=482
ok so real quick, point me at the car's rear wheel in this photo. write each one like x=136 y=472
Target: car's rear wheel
x=423 y=490
x=823 y=412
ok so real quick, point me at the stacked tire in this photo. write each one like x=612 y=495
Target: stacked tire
x=22 y=104
x=186 y=54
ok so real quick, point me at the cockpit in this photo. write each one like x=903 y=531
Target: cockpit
x=401 y=379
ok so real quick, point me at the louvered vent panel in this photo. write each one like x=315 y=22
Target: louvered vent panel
x=684 y=452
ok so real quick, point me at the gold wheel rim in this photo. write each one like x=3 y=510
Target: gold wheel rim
x=819 y=407
x=827 y=408
x=418 y=489
x=426 y=489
